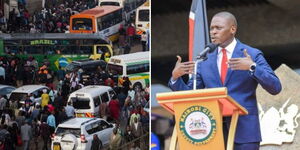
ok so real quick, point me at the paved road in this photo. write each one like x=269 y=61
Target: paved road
x=32 y=145
x=137 y=47
x=40 y=146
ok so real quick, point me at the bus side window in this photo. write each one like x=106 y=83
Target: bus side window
x=66 y=50
x=138 y=68
x=7 y=49
x=85 y=50
x=50 y=52
x=146 y=67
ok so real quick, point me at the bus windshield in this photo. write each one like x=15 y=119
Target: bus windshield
x=115 y=69
x=144 y=15
x=82 y=24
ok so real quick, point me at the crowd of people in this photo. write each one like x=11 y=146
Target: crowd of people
x=24 y=125
x=128 y=38
x=53 y=18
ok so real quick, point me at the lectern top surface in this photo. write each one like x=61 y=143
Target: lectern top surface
x=220 y=94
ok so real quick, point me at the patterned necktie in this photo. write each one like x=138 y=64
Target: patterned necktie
x=224 y=66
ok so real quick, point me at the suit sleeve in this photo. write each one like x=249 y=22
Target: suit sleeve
x=180 y=85
x=265 y=76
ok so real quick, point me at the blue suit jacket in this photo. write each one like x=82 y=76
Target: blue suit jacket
x=241 y=86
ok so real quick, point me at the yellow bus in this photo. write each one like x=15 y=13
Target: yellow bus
x=105 y=20
x=142 y=21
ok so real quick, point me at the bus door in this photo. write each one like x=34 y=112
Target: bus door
x=102 y=52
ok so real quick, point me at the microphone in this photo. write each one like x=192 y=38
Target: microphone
x=208 y=49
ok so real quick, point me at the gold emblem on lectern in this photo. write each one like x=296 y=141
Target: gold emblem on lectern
x=197 y=125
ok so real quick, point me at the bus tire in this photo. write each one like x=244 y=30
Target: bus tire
x=137 y=84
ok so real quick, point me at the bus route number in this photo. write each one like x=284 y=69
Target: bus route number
x=115 y=61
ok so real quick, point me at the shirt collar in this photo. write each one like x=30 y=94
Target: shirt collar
x=229 y=48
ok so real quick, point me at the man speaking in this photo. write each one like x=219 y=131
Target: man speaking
x=239 y=68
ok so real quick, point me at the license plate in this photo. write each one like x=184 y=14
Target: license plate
x=56 y=147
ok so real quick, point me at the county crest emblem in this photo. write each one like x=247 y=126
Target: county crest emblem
x=197 y=125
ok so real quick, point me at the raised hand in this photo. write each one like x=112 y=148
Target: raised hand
x=243 y=63
x=182 y=68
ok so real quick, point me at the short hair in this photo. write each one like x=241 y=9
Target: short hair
x=228 y=15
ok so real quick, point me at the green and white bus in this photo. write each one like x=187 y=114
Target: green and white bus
x=135 y=66
x=59 y=48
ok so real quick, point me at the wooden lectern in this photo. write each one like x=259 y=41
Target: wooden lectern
x=199 y=116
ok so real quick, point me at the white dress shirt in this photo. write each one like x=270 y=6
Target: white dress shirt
x=229 y=51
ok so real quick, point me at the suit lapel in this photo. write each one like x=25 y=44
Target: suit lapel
x=237 y=52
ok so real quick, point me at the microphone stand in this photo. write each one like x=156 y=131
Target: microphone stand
x=201 y=59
